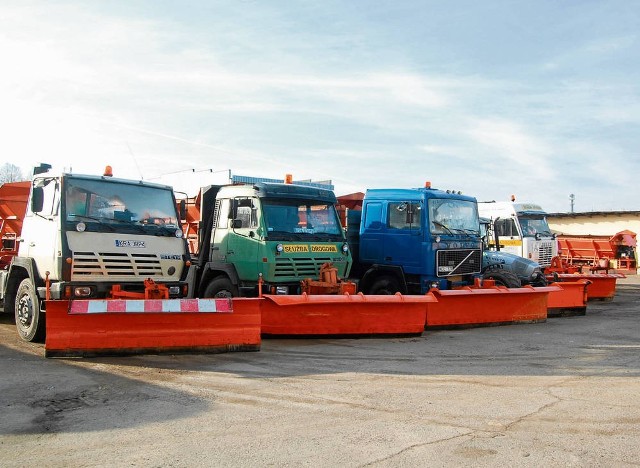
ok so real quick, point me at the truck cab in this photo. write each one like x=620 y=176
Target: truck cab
x=266 y=234
x=90 y=237
x=522 y=229
x=412 y=240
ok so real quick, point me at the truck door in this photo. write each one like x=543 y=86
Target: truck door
x=242 y=244
x=510 y=238
x=403 y=240
x=40 y=237
x=371 y=233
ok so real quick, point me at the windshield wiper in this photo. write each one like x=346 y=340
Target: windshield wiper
x=93 y=218
x=438 y=223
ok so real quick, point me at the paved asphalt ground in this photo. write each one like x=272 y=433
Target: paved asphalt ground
x=560 y=393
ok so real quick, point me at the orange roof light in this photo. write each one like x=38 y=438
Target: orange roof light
x=288 y=179
x=513 y=198
x=427 y=184
x=108 y=171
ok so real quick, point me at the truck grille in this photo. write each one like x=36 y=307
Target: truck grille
x=107 y=264
x=299 y=267
x=458 y=262
x=545 y=252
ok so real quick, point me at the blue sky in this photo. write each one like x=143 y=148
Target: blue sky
x=540 y=99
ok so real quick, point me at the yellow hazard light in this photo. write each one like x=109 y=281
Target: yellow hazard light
x=427 y=184
x=108 y=171
x=288 y=179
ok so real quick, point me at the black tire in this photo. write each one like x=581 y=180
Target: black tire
x=503 y=278
x=539 y=281
x=385 y=285
x=30 y=320
x=220 y=287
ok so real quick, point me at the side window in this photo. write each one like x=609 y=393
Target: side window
x=506 y=227
x=247 y=212
x=51 y=198
x=404 y=215
x=373 y=216
x=221 y=218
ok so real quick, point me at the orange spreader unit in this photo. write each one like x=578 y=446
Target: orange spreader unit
x=487 y=306
x=347 y=315
x=85 y=328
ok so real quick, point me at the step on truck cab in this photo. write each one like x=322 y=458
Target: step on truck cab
x=412 y=240
x=522 y=230
x=278 y=233
x=90 y=237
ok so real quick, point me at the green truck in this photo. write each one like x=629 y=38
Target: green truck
x=276 y=234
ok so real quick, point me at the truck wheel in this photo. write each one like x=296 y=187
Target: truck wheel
x=220 y=287
x=503 y=278
x=385 y=285
x=30 y=321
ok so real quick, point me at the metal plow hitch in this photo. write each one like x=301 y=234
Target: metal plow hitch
x=344 y=314
x=487 y=306
x=570 y=299
x=86 y=328
x=602 y=286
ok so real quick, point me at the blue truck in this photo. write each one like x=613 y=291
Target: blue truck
x=412 y=240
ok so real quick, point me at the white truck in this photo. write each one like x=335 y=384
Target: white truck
x=92 y=237
x=522 y=230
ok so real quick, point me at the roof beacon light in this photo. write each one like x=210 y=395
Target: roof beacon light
x=513 y=198
x=288 y=179
x=427 y=184
x=108 y=171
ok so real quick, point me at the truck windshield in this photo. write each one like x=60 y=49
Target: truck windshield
x=116 y=204
x=532 y=225
x=450 y=216
x=301 y=220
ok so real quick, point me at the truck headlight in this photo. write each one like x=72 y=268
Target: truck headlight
x=82 y=291
x=279 y=248
x=80 y=227
x=345 y=248
x=179 y=233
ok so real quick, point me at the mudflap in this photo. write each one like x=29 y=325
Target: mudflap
x=569 y=300
x=602 y=287
x=86 y=328
x=344 y=315
x=497 y=305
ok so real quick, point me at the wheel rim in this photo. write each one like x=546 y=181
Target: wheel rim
x=25 y=311
x=225 y=293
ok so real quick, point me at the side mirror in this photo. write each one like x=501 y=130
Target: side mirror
x=234 y=209
x=37 y=199
x=183 y=209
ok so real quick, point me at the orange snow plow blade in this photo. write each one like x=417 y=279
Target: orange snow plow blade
x=487 y=306
x=85 y=328
x=344 y=314
x=570 y=299
x=602 y=287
